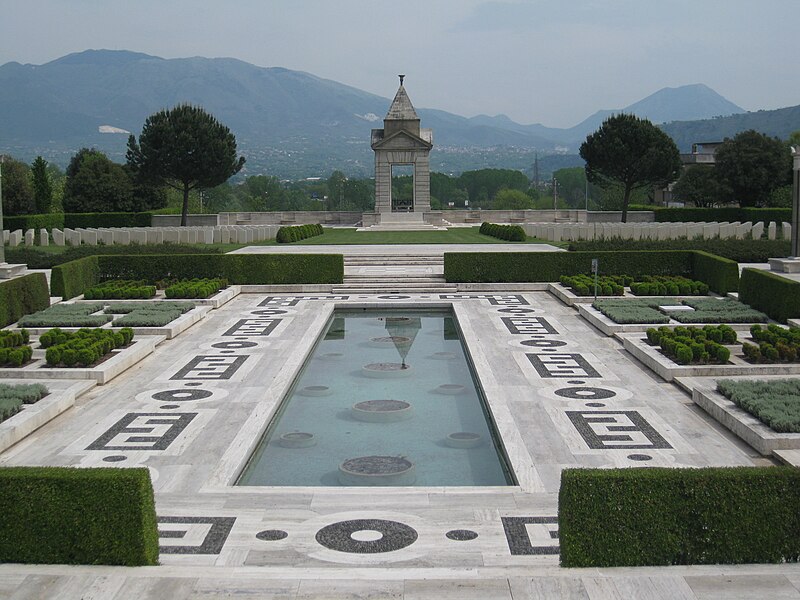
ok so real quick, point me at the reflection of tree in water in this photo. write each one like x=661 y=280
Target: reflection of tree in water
x=449 y=331
x=403 y=331
x=337 y=329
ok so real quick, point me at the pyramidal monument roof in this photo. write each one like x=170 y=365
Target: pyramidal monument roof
x=401 y=108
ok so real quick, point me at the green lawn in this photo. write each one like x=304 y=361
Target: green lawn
x=457 y=235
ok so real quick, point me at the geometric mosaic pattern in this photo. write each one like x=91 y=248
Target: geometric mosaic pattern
x=208 y=534
x=494 y=299
x=143 y=431
x=531 y=535
x=247 y=327
x=528 y=325
x=621 y=429
x=562 y=365
x=210 y=367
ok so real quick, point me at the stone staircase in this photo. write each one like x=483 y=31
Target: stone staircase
x=394 y=274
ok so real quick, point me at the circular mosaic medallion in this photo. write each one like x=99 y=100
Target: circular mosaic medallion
x=595 y=405
x=269 y=311
x=386 y=370
x=342 y=536
x=115 y=458
x=315 y=390
x=297 y=439
x=234 y=345
x=443 y=355
x=585 y=393
x=377 y=471
x=463 y=439
x=271 y=535
x=461 y=535
x=576 y=382
x=169 y=406
x=450 y=389
x=227 y=351
x=181 y=395
x=543 y=343
x=381 y=411
x=517 y=311
x=394 y=297
x=640 y=457
x=193 y=384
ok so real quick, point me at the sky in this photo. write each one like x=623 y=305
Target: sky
x=553 y=62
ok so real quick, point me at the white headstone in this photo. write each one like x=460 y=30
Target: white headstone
x=30 y=237
x=15 y=238
x=58 y=237
x=44 y=237
x=772 y=230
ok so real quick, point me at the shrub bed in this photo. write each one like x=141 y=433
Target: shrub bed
x=668 y=285
x=120 y=289
x=658 y=516
x=775 y=344
x=155 y=314
x=14 y=348
x=12 y=397
x=21 y=296
x=607 y=285
x=776 y=403
x=694 y=345
x=77 y=516
x=67 y=315
x=296 y=233
x=775 y=295
x=195 y=288
x=718 y=310
x=640 y=310
x=746 y=251
x=82 y=348
x=510 y=233
x=720 y=274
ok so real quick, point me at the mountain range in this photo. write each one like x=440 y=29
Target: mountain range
x=288 y=123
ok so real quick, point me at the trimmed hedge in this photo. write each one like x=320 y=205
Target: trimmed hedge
x=36 y=259
x=739 y=250
x=195 y=288
x=726 y=213
x=658 y=516
x=109 y=219
x=71 y=279
x=510 y=233
x=514 y=267
x=47 y=221
x=77 y=516
x=297 y=232
x=22 y=296
x=770 y=293
x=119 y=289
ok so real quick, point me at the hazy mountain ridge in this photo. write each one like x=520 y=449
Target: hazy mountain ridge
x=288 y=122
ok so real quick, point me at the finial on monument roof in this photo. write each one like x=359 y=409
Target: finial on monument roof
x=401 y=78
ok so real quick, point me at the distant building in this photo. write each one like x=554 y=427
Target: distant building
x=703 y=153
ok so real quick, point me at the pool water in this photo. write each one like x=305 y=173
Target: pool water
x=387 y=398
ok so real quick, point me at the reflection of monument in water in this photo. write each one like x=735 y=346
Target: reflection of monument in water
x=402 y=142
x=403 y=331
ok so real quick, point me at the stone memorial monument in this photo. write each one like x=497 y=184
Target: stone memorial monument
x=792 y=264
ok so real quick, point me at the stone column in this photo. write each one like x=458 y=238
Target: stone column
x=795 y=252
x=383 y=183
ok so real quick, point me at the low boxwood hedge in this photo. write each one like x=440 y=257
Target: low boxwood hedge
x=753 y=251
x=195 y=288
x=509 y=233
x=36 y=259
x=22 y=296
x=71 y=279
x=659 y=516
x=720 y=274
x=77 y=516
x=296 y=233
x=770 y=293
x=120 y=289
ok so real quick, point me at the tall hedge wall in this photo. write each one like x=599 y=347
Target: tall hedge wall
x=514 y=267
x=772 y=294
x=77 y=516
x=25 y=222
x=22 y=296
x=72 y=278
x=726 y=213
x=73 y=220
x=657 y=516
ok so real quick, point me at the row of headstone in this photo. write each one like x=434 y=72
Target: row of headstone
x=570 y=232
x=221 y=234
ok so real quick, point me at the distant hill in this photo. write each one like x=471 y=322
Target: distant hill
x=288 y=123
x=777 y=123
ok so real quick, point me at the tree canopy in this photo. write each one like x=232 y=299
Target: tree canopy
x=42 y=186
x=702 y=186
x=96 y=184
x=185 y=148
x=754 y=165
x=17 y=192
x=631 y=152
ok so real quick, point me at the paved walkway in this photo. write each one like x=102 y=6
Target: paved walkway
x=396 y=249
x=215 y=387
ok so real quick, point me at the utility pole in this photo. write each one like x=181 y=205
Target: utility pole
x=796 y=203
x=555 y=195
x=536 y=171
x=2 y=241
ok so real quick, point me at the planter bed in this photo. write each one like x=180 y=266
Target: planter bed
x=651 y=356
x=601 y=322
x=119 y=361
x=61 y=397
x=744 y=425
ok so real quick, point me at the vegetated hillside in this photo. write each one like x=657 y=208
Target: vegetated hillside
x=777 y=123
